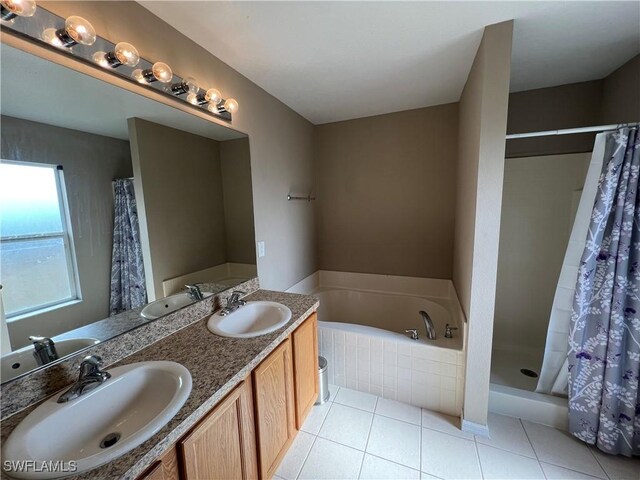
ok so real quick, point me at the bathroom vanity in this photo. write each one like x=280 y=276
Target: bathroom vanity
x=248 y=433
x=248 y=399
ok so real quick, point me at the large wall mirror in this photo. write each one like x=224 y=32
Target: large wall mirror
x=110 y=203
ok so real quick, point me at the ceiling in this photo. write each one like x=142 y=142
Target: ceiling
x=73 y=100
x=333 y=61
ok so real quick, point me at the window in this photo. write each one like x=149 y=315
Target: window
x=37 y=261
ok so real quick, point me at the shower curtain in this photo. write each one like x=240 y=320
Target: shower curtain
x=128 y=288
x=604 y=335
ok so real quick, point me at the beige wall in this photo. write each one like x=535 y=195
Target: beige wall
x=621 y=94
x=538 y=207
x=386 y=193
x=178 y=181
x=91 y=162
x=235 y=163
x=613 y=99
x=483 y=125
x=281 y=141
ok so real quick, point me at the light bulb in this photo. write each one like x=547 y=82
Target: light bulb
x=192 y=98
x=213 y=108
x=138 y=75
x=126 y=54
x=79 y=30
x=188 y=85
x=162 y=72
x=50 y=35
x=231 y=105
x=101 y=59
x=213 y=96
x=17 y=8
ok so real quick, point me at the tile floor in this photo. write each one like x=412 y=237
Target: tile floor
x=359 y=435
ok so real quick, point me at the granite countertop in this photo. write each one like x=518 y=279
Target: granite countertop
x=217 y=365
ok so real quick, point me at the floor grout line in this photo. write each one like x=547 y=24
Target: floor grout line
x=475 y=444
x=307 y=456
x=599 y=464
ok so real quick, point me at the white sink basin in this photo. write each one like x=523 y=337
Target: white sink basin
x=251 y=320
x=22 y=361
x=168 y=305
x=135 y=403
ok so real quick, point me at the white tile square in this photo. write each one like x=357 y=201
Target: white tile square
x=364 y=386
x=346 y=425
x=499 y=464
x=399 y=411
x=396 y=441
x=294 y=459
x=560 y=448
x=444 y=423
x=419 y=364
x=404 y=361
x=331 y=461
x=374 y=468
x=507 y=433
x=314 y=420
x=356 y=399
x=404 y=373
x=449 y=457
x=404 y=391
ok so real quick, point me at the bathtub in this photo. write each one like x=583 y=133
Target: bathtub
x=362 y=320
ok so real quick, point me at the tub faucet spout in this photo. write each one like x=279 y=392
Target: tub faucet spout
x=428 y=325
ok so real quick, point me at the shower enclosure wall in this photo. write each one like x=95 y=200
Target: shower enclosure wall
x=540 y=201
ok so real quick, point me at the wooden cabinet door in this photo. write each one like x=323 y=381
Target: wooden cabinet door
x=166 y=468
x=305 y=367
x=223 y=445
x=275 y=411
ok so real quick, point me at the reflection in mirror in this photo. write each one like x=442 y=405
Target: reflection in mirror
x=110 y=204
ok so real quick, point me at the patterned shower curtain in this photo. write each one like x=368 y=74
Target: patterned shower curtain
x=604 y=337
x=128 y=288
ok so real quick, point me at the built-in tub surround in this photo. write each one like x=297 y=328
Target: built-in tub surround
x=33 y=387
x=216 y=364
x=361 y=330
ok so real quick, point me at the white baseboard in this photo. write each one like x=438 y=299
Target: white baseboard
x=475 y=428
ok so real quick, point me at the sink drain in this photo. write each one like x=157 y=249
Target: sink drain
x=528 y=373
x=110 y=440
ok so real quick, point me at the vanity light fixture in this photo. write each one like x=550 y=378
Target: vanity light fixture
x=188 y=85
x=79 y=31
x=10 y=9
x=123 y=54
x=160 y=72
x=76 y=30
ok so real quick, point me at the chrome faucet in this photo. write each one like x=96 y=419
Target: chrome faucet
x=45 y=350
x=90 y=377
x=448 y=331
x=233 y=303
x=194 y=292
x=428 y=325
x=413 y=332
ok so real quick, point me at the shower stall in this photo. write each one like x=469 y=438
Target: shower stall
x=546 y=208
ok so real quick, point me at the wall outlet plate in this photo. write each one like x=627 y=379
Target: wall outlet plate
x=261 y=249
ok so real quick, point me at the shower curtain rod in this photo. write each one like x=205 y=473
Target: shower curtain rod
x=568 y=131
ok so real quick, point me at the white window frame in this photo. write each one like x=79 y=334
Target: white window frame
x=66 y=234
